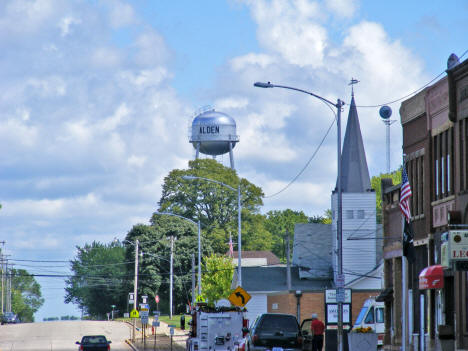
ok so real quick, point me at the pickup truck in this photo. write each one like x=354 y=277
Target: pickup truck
x=94 y=343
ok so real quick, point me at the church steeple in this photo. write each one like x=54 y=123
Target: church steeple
x=355 y=174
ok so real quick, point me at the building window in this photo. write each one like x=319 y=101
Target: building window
x=360 y=214
x=415 y=169
x=349 y=214
x=448 y=173
x=443 y=164
x=442 y=175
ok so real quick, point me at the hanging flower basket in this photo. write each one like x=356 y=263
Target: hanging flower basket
x=362 y=339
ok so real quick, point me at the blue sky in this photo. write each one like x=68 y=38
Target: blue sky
x=97 y=98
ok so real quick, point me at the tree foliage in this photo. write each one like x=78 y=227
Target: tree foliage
x=216 y=278
x=376 y=182
x=280 y=224
x=154 y=242
x=26 y=297
x=99 y=279
x=213 y=204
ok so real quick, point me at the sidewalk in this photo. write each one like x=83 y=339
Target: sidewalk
x=163 y=339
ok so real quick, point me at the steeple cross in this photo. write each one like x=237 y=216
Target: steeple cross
x=353 y=81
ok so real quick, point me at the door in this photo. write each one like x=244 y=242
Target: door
x=306 y=334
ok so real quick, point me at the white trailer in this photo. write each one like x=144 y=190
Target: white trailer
x=216 y=329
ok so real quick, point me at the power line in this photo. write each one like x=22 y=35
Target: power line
x=307 y=163
x=412 y=93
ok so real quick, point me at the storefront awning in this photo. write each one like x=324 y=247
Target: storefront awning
x=385 y=295
x=432 y=277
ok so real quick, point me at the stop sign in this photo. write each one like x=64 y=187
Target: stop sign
x=156 y=298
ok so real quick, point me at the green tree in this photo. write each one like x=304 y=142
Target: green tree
x=26 y=297
x=154 y=242
x=213 y=204
x=376 y=182
x=280 y=224
x=99 y=278
x=216 y=278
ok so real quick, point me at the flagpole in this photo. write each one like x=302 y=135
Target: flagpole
x=404 y=278
x=404 y=295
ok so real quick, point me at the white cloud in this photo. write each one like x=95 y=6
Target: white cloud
x=121 y=14
x=231 y=103
x=48 y=86
x=137 y=161
x=106 y=57
x=65 y=24
x=261 y=60
x=290 y=29
x=342 y=8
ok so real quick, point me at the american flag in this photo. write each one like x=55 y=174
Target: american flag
x=231 y=248
x=405 y=193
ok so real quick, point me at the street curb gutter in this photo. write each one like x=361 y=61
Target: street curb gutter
x=131 y=345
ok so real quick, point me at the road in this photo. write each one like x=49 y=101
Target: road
x=60 y=336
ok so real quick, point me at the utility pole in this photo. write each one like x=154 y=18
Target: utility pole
x=135 y=285
x=199 y=258
x=171 y=277
x=193 y=280
x=288 y=269
x=2 y=267
x=3 y=277
x=8 y=289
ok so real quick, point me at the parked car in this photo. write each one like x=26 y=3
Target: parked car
x=94 y=343
x=9 y=318
x=275 y=332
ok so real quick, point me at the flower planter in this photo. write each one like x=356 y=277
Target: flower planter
x=362 y=341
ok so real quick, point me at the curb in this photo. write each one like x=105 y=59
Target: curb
x=129 y=343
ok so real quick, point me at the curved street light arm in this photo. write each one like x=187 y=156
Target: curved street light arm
x=339 y=104
x=175 y=215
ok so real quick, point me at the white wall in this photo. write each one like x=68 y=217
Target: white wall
x=257 y=305
x=359 y=256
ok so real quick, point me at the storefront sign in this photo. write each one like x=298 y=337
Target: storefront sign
x=458 y=245
x=332 y=313
x=330 y=296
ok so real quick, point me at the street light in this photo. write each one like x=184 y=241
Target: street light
x=339 y=278
x=199 y=253
x=239 y=223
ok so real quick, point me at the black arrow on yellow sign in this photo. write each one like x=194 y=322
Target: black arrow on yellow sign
x=239 y=297
x=238 y=294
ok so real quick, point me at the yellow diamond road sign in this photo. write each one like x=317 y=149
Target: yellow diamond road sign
x=239 y=297
x=134 y=314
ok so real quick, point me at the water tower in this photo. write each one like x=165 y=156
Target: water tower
x=214 y=133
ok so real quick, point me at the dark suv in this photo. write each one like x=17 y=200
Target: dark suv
x=275 y=332
x=9 y=317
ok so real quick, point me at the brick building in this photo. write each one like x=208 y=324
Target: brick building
x=435 y=133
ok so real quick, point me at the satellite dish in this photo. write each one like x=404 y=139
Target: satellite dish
x=385 y=112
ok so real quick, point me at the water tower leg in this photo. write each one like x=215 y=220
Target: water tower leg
x=198 y=151
x=231 y=156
